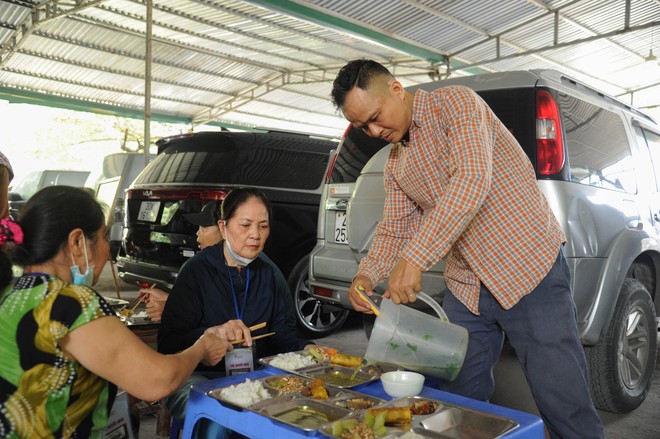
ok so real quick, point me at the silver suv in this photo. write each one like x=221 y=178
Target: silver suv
x=598 y=163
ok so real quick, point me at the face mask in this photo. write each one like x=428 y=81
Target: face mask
x=239 y=259
x=87 y=277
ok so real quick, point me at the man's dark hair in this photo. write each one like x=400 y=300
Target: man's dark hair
x=357 y=73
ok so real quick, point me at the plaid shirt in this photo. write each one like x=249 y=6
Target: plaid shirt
x=463 y=189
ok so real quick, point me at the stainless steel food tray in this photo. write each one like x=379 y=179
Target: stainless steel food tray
x=291 y=407
x=447 y=421
x=337 y=376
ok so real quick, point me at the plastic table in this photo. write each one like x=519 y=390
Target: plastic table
x=254 y=425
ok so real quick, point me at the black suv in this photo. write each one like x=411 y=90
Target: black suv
x=191 y=169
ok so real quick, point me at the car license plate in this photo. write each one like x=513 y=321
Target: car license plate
x=148 y=211
x=340 y=227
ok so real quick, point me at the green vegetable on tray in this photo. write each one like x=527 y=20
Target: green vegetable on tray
x=375 y=423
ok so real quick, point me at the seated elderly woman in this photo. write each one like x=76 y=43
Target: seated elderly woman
x=226 y=287
x=64 y=350
x=208 y=233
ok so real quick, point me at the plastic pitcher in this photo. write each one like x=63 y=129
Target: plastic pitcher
x=418 y=341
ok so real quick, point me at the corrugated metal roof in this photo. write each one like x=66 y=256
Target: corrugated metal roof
x=270 y=63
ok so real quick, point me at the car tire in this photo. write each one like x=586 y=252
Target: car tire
x=622 y=363
x=315 y=318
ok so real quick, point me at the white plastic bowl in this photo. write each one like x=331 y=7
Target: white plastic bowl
x=401 y=383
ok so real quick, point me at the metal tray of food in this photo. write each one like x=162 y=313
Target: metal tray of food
x=425 y=417
x=304 y=413
x=292 y=400
x=256 y=394
x=338 y=376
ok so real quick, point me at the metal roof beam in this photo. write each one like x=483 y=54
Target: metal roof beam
x=621 y=31
x=39 y=14
x=96 y=86
x=308 y=13
x=271 y=24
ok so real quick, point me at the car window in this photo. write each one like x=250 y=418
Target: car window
x=653 y=143
x=598 y=149
x=355 y=151
x=237 y=163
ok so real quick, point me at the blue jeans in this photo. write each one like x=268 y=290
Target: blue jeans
x=542 y=328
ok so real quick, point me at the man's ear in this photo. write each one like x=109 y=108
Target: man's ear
x=75 y=242
x=397 y=89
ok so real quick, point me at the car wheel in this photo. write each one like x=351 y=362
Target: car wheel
x=622 y=363
x=315 y=318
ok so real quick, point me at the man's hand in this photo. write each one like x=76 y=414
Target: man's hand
x=155 y=302
x=404 y=282
x=359 y=304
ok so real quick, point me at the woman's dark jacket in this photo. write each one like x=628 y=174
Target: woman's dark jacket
x=202 y=297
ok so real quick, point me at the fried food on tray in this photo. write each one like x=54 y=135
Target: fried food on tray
x=318 y=389
x=395 y=415
x=346 y=360
x=423 y=407
x=126 y=312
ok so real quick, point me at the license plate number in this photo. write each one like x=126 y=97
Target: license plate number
x=340 y=227
x=148 y=211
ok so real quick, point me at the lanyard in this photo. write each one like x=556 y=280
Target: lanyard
x=239 y=316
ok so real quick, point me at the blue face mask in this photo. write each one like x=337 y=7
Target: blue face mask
x=87 y=277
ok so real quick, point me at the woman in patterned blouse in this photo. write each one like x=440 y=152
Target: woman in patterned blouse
x=62 y=348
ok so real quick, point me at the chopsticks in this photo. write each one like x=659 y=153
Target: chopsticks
x=257 y=326
x=140 y=299
x=254 y=328
x=253 y=338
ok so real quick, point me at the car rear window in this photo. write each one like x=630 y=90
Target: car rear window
x=515 y=108
x=244 y=159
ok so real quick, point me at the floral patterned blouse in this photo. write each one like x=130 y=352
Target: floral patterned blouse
x=42 y=392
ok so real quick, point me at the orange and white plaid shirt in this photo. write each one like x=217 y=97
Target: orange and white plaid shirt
x=463 y=189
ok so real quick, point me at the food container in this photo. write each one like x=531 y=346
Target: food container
x=418 y=341
x=337 y=376
x=402 y=383
x=304 y=413
x=434 y=419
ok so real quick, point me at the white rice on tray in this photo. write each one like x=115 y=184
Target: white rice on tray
x=291 y=361
x=245 y=394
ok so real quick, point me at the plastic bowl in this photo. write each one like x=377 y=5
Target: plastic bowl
x=402 y=383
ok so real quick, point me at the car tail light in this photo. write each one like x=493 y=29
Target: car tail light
x=549 y=145
x=163 y=194
x=331 y=168
x=325 y=292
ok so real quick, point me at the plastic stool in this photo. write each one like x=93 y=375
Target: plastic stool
x=176 y=428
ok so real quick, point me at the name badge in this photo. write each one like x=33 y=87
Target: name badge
x=240 y=360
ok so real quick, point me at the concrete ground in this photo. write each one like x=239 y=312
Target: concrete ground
x=511 y=388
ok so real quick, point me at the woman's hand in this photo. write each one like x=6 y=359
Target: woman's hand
x=215 y=348
x=155 y=302
x=232 y=330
